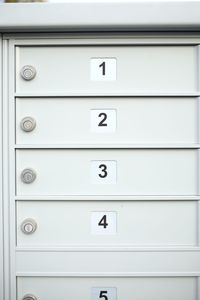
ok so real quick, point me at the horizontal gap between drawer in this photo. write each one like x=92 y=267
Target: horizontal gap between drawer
x=99 y=38
x=108 y=249
x=116 y=274
x=107 y=198
x=109 y=146
x=84 y=94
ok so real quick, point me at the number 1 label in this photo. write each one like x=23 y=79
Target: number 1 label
x=103 y=69
x=104 y=293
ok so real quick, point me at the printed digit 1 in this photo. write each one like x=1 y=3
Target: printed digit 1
x=103 y=65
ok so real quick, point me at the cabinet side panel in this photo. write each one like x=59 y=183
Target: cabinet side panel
x=1 y=188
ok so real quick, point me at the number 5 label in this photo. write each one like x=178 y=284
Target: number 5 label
x=104 y=293
x=103 y=172
x=103 y=69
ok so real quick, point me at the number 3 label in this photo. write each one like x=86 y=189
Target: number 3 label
x=103 y=69
x=103 y=120
x=103 y=172
x=104 y=294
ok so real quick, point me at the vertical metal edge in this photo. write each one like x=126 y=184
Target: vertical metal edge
x=197 y=295
x=198 y=188
x=1 y=176
x=198 y=139
x=12 y=166
x=5 y=175
x=9 y=171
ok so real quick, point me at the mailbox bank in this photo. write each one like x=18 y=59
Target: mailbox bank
x=100 y=189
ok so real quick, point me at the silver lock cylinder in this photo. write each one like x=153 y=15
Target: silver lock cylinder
x=28 y=175
x=28 y=124
x=28 y=72
x=29 y=226
x=29 y=297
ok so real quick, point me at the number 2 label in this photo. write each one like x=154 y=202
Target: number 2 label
x=103 y=69
x=103 y=120
x=104 y=293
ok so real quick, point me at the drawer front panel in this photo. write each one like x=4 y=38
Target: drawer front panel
x=152 y=223
x=108 y=172
x=118 y=262
x=117 y=288
x=108 y=120
x=104 y=69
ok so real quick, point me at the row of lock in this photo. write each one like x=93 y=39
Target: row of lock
x=28 y=73
x=28 y=176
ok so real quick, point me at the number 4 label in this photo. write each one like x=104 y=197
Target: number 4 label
x=103 y=69
x=104 y=293
x=104 y=222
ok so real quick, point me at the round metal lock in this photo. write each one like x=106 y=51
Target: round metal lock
x=29 y=297
x=29 y=226
x=28 y=72
x=28 y=124
x=28 y=175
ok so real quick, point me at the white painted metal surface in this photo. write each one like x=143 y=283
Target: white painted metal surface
x=1 y=180
x=139 y=172
x=98 y=179
x=137 y=223
x=108 y=263
x=146 y=288
x=148 y=69
x=135 y=121
x=112 y=15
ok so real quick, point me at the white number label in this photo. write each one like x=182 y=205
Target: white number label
x=103 y=120
x=104 y=293
x=103 y=69
x=103 y=172
x=103 y=222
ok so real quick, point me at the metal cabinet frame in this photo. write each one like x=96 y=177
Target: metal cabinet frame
x=113 y=20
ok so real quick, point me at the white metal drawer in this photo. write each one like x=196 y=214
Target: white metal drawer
x=142 y=288
x=143 y=223
x=107 y=120
x=107 y=172
x=128 y=69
